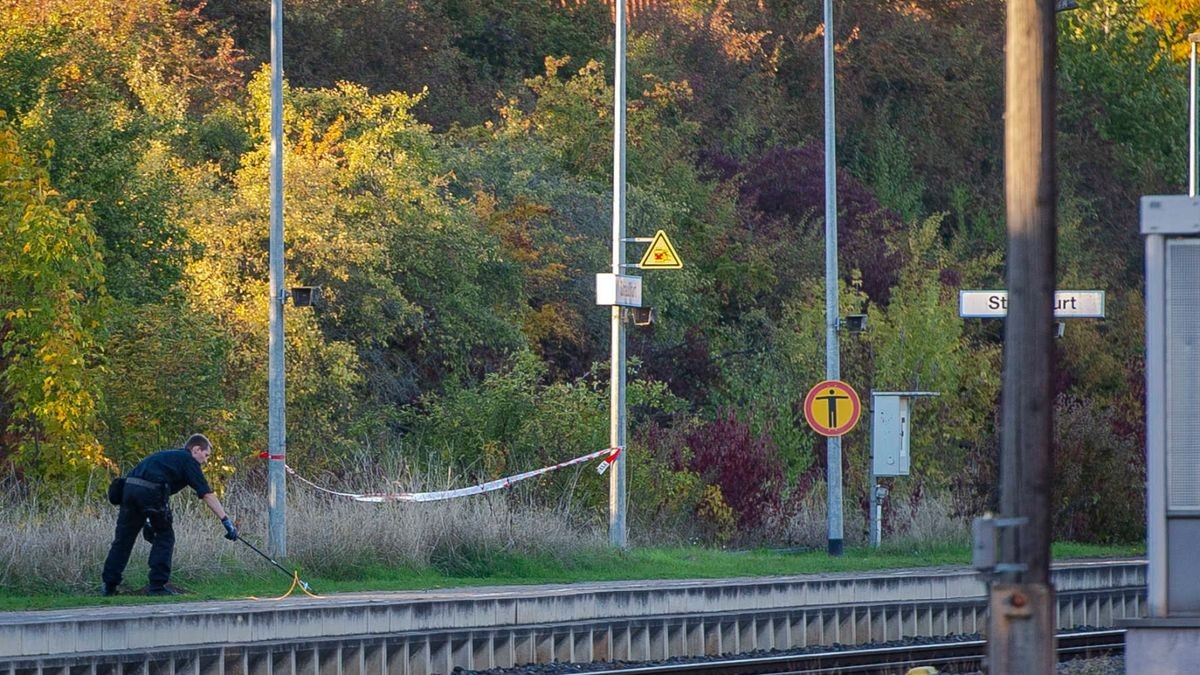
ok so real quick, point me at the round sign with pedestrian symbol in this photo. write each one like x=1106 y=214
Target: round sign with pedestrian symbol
x=832 y=408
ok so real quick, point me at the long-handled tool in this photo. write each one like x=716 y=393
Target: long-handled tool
x=291 y=575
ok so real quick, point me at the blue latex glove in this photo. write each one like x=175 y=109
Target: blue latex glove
x=230 y=531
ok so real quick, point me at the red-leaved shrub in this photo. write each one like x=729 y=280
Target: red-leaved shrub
x=746 y=466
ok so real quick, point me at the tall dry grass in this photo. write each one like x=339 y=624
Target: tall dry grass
x=60 y=544
x=49 y=545
x=930 y=520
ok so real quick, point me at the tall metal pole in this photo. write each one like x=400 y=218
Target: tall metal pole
x=1192 y=118
x=617 y=493
x=833 y=456
x=276 y=436
x=1021 y=634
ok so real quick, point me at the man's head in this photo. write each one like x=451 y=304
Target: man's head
x=199 y=446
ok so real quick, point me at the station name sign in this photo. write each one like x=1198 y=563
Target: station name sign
x=1067 y=304
x=618 y=289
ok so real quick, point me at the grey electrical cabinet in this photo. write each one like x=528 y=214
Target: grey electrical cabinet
x=1171 y=225
x=890 y=432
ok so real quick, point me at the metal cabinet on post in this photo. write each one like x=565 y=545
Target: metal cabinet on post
x=890 y=446
x=1168 y=639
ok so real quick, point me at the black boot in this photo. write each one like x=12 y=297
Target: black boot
x=107 y=589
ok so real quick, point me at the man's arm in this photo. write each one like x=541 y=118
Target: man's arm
x=214 y=505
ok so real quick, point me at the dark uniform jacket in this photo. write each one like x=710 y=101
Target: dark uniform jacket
x=176 y=469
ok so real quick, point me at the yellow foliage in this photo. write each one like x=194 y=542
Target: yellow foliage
x=716 y=513
x=1174 y=20
x=47 y=259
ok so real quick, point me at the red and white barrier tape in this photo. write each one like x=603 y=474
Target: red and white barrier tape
x=608 y=461
x=379 y=497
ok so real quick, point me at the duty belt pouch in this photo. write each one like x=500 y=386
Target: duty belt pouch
x=160 y=518
x=116 y=490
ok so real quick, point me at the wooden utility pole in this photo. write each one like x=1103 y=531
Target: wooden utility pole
x=1021 y=628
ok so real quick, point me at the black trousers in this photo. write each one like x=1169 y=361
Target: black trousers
x=137 y=505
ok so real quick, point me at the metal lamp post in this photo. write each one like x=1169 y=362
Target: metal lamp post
x=617 y=492
x=276 y=432
x=833 y=467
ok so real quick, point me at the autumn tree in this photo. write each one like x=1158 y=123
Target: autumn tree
x=50 y=322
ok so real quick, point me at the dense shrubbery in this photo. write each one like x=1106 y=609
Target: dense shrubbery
x=448 y=185
x=744 y=466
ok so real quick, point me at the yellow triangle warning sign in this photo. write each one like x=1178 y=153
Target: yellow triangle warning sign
x=661 y=255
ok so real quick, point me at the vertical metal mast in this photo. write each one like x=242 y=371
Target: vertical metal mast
x=276 y=433
x=617 y=492
x=1192 y=117
x=833 y=472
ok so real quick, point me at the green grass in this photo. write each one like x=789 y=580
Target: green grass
x=606 y=565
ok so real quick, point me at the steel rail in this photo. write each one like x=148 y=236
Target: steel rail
x=959 y=656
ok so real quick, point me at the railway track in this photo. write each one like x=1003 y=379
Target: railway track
x=966 y=656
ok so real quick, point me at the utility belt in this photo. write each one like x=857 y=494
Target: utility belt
x=130 y=480
x=158 y=516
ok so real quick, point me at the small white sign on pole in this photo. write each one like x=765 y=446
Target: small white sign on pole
x=1067 y=304
x=618 y=289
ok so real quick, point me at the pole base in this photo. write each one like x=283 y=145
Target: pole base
x=1021 y=628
